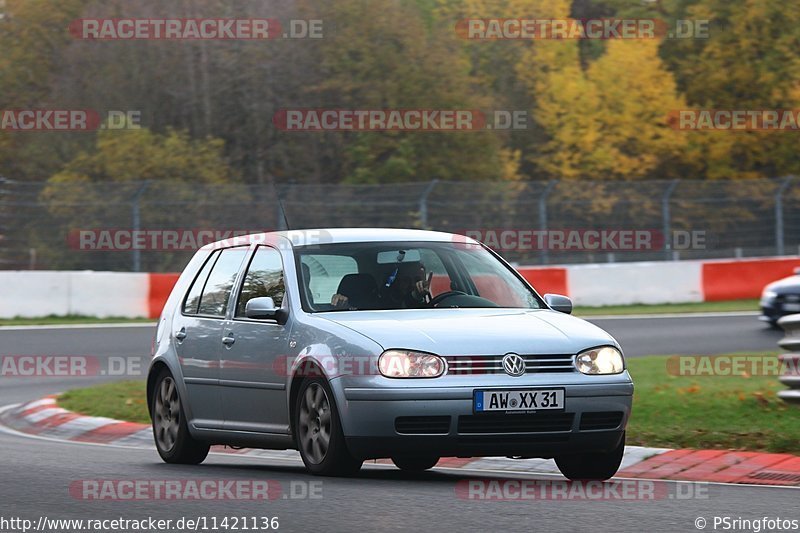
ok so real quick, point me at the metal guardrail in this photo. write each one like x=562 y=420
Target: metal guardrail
x=790 y=362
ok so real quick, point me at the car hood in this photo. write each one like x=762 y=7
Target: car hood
x=475 y=331
x=790 y=285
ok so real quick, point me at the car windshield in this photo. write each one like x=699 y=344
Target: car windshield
x=407 y=275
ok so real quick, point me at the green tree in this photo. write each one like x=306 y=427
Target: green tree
x=97 y=189
x=607 y=120
x=373 y=62
x=32 y=35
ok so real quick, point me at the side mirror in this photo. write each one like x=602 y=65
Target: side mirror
x=559 y=303
x=261 y=308
x=797 y=271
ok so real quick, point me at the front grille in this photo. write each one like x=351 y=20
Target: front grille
x=601 y=420
x=493 y=364
x=422 y=425
x=502 y=423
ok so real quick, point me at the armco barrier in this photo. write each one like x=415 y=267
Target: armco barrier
x=41 y=293
x=791 y=360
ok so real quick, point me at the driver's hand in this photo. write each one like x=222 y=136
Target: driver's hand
x=422 y=290
x=422 y=287
x=339 y=300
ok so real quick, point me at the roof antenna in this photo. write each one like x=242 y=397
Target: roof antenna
x=283 y=210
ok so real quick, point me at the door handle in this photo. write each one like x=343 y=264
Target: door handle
x=181 y=334
x=228 y=339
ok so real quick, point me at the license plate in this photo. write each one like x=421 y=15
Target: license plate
x=518 y=400
x=791 y=307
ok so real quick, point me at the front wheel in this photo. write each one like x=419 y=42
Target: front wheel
x=173 y=441
x=414 y=464
x=592 y=466
x=318 y=431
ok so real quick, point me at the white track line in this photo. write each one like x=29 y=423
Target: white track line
x=720 y=314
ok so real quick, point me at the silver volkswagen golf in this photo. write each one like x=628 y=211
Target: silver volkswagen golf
x=355 y=344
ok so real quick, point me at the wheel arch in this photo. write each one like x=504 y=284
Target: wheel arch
x=305 y=369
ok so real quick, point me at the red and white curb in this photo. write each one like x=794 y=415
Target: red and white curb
x=45 y=419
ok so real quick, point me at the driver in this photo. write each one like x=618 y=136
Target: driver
x=407 y=287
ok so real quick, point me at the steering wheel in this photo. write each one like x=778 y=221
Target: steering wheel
x=445 y=295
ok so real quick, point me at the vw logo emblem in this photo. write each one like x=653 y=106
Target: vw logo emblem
x=513 y=364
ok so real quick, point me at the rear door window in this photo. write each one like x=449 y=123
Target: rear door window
x=217 y=291
x=192 y=300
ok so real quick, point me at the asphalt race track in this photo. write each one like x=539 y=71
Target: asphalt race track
x=692 y=335
x=37 y=474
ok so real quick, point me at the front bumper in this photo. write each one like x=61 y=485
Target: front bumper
x=770 y=312
x=774 y=308
x=370 y=421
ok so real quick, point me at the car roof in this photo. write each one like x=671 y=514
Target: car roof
x=341 y=235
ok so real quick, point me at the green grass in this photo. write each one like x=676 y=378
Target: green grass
x=727 y=412
x=68 y=319
x=733 y=413
x=122 y=400
x=700 y=307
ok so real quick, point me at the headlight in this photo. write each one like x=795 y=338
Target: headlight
x=406 y=364
x=769 y=295
x=603 y=360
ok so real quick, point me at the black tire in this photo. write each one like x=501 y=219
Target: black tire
x=173 y=441
x=318 y=431
x=415 y=463
x=597 y=466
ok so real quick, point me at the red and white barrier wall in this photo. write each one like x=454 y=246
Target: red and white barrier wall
x=661 y=282
x=36 y=293
x=120 y=294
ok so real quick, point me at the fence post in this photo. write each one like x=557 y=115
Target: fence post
x=136 y=222
x=790 y=361
x=666 y=220
x=543 y=219
x=779 y=244
x=423 y=204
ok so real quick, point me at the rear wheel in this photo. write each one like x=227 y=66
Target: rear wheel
x=318 y=431
x=415 y=464
x=173 y=441
x=592 y=466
